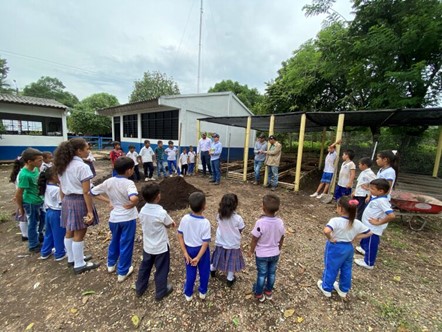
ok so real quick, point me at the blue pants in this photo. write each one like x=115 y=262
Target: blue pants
x=203 y=268
x=169 y=165
x=341 y=191
x=121 y=246
x=160 y=168
x=54 y=234
x=257 y=168
x=162 y=264
x=370 y=245
x=273 y=176
x=216 y=170
x=361 y=206
x=41 y=224
x=148 y=169
x=266 y=267
x=33 y=217
x=338 y=258
x=205 y=161
x=191 y=168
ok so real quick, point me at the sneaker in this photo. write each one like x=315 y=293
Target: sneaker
x=362 y=263
x=273 y=189
x=188 y=298
x=360 y=250
x=35 y=250
x=340 y=293
x=213 y=274
x=146 y=179
x=182 y=175
x=111 y=269
x=231 y=282
x=212 y=181
x=268 y=295
x=45 y=257
x=121 y=278
x=314 y=194
x=86 y=259
x=255 y=182
x=202 y=296
x=152 y=179
x=88 y=266
x=261 y=298
x=216 y=183
x=24 y=238
x=59 y=259
x=327 y=294
x=319 y=196
x=169 y=290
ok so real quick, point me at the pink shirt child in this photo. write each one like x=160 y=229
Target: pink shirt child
x=269 y=231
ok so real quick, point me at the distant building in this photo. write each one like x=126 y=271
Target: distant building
x=30 y=122
x=161 y=119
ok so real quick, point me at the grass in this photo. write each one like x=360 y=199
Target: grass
x=4 y=216
x=395 y=314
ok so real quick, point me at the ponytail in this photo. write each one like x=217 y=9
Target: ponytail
x=16 y=167
x=65 y=152
x=350 y=206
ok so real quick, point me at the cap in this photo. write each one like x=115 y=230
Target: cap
x=262 y=136
x=272 y=137
x=215 y=135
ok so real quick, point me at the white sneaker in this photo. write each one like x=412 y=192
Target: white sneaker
x=202 y=296
x=61 y=258
x=188 y=298
x=362 y=263
x=327 y=294
x=360 y=250
x=182 y=175
x=146 y=179
x=340 y=293
x=111 y=269
x=314 y=194
x=152 y=179
x=320 y=196
x=122 y=278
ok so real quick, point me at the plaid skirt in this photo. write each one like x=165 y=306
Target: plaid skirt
x=228 y=259
x=73 y=209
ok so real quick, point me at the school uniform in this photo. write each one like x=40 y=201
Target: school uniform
x=338 y=257
x=134 y=156
x=344 y=177
x=171 y=159
x=191 y=162
x=196 y=230
x=146 y=155
x=329 y=167
x=388 y=174
x=183 y=160
x=122 y=221
x=364 y=178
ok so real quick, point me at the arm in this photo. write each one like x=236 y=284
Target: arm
x=352 y=178
x=339 y=141
x=204 y=246
x=281 y=242
x=19 y=200
x=275 y=151
x=389 y=217
x=328 y=234
x=362 y=236
x=183 y=248
x=88 y=199
x=253 y=245
x=133 y=201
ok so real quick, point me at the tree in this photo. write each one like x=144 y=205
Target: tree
x=250 y=97
x=51 y=88
x=4 y=69
x=83 y=118
x=153 y=85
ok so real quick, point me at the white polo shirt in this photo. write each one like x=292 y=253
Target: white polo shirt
x=388 y=174
x=171 y=153
x=329 y=166
x=119 y=190
x=365 y=177
x=146 y=154
x=344 y=174
x=75 y=174
x=154 y=220
x=191 y=157
x=134 y=156
x=52 y=198
x=195 y=230
x=228 y=233
x=341 y=231
x=378 y=208
x=183 y=158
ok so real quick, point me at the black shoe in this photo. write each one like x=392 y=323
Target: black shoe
x=216 y=183
x=168 y=292
x=24 y=238
x=41 y=238
x=86 y=259
x=36 y=249
x=231 y=282
x=87 y=267
x=213 y=274
x=212 y=181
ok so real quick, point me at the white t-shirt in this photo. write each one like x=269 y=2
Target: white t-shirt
x=228 y=233
x=119 y=190
x=133 y=156
x=365 y=177
x=341 y=231
x=329 y=166
x=146 y=154
x=344 y=173
x=191 y=157
x=44 y=166
x=388 y=174
x=171 y=153
x=75 y=174
x=52 y=198
x=183 y=158
x=195 y=230
x=90 y=157
x=378 y=208
x=154 y=220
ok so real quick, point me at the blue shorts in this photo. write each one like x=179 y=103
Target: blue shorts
x=326 y=177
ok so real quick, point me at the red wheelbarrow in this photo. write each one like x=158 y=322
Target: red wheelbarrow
x=414 y=207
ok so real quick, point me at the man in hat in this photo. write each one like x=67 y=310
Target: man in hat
x=273 y=157
x=202 y=151
x=215 y=154
x=260 y=145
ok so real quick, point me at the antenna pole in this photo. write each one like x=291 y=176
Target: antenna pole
x=199 y=49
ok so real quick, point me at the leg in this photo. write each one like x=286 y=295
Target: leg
x=204 y=271
x=169 y=165
x=321 y=184
x=144 y=273
x=127 y=241
x=346 y=269
x=372 y=252
x=59 y=234
x=209 y=166
x=137 y=173
x=190 y=271
x=176 y=167
x=32 y=216
x=364 y=244
x=68 y=240
x=261 y=266
x=162 y=265
x=216 y=170
x=150 y=167
x=327 y=185
x=275 y=176
x=48 y=242
x=203 y=162
x=41 y=223
x=145 y=170
x=114 y=246
x=361 y=207
x=271 y=273
x=78 y=247
x=332 y=263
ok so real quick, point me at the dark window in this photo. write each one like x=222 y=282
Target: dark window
x=160 y=125
x=130 y=125
x=117 y=128
x=21 y=124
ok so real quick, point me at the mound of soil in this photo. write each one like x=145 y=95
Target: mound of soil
x=175 y=193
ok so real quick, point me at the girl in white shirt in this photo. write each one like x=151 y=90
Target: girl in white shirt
x=184 y=159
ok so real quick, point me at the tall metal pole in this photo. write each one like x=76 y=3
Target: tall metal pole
x=199 y=49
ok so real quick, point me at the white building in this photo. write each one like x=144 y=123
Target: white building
x=30 y=122
x=162 y=118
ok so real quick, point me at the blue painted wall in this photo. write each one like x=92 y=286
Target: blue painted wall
x=8 y=153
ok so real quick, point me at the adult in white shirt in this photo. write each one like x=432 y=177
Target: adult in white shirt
x=203 y=152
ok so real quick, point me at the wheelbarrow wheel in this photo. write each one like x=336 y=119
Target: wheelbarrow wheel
x=417 y=223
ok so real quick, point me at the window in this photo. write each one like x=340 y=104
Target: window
x=117 y=128
x=160 y=125
x=20 y=124
x=130 y=125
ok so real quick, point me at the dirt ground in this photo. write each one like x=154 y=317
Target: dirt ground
x=402 y=293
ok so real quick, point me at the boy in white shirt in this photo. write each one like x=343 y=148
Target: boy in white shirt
x=346 y=175
x=132 y=154
x=123 y=196
x=361 y=192
x=171 y=153
x=191 y=155
x=147 y=157
x=184 y=159
x=154 y=221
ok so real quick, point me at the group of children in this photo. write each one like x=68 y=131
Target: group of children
x=148 y=157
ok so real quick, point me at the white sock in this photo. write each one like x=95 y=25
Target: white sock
x=212 y=268
x=68 y=245
x=23 y=228
x=230 y=275
x=78 y=249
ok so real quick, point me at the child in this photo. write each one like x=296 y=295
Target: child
x=47 y=161
x=267 y=239
x=115 y=154
x=377 y=215
x=154 y=221
x=191 y=154
x=132 y=154
x=27 y=197
x=184 y=159
x=338 y=255
x=329 y=169
x=362 y=185
x=123 y=196
x=147 y=157
x=171 y=153
x=227 y=255
x=346 y=175
x=194 y=238
x=21 y=219
x=159 y=155
x=54 y=233
x=77 y=209
x=90 y=160
x=388 y=169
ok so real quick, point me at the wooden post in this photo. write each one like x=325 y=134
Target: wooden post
x=246 y=148
x=339 y=131
x=438 y=154
x=321 y=155
x=300 y=151
x=198 y=135
x=271 y=128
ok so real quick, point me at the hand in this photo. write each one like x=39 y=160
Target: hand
x=332 y=240
x=339 y=141
x=187 y=258
x=374 y=221
x=89 y=218
x=250 y=254
x=353 y=195
x=367 y=199
x=194 y=262
x=21 y=212
x=128 y=206
x=349 y=185
x=173 y=224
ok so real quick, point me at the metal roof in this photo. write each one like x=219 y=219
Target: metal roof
x=316 y=121
x=33 y=101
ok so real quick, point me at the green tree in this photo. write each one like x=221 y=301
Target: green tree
x=51 y=88
x=153 y=85
x=83 y=118
x=4 y=69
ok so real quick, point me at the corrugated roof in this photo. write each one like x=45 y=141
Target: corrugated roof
x=33 y=101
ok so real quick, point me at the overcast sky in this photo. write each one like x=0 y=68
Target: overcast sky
x=104 y=45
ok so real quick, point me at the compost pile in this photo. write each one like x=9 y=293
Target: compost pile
x=175 y=193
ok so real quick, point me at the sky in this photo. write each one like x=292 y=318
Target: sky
x=105 y=45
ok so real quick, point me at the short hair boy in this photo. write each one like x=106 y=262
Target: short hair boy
x=147 y=158
x=194 y=238
x=132 y=154
x=361 y=191
x=159 y=155
x=191 y=155
x=346 y=175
